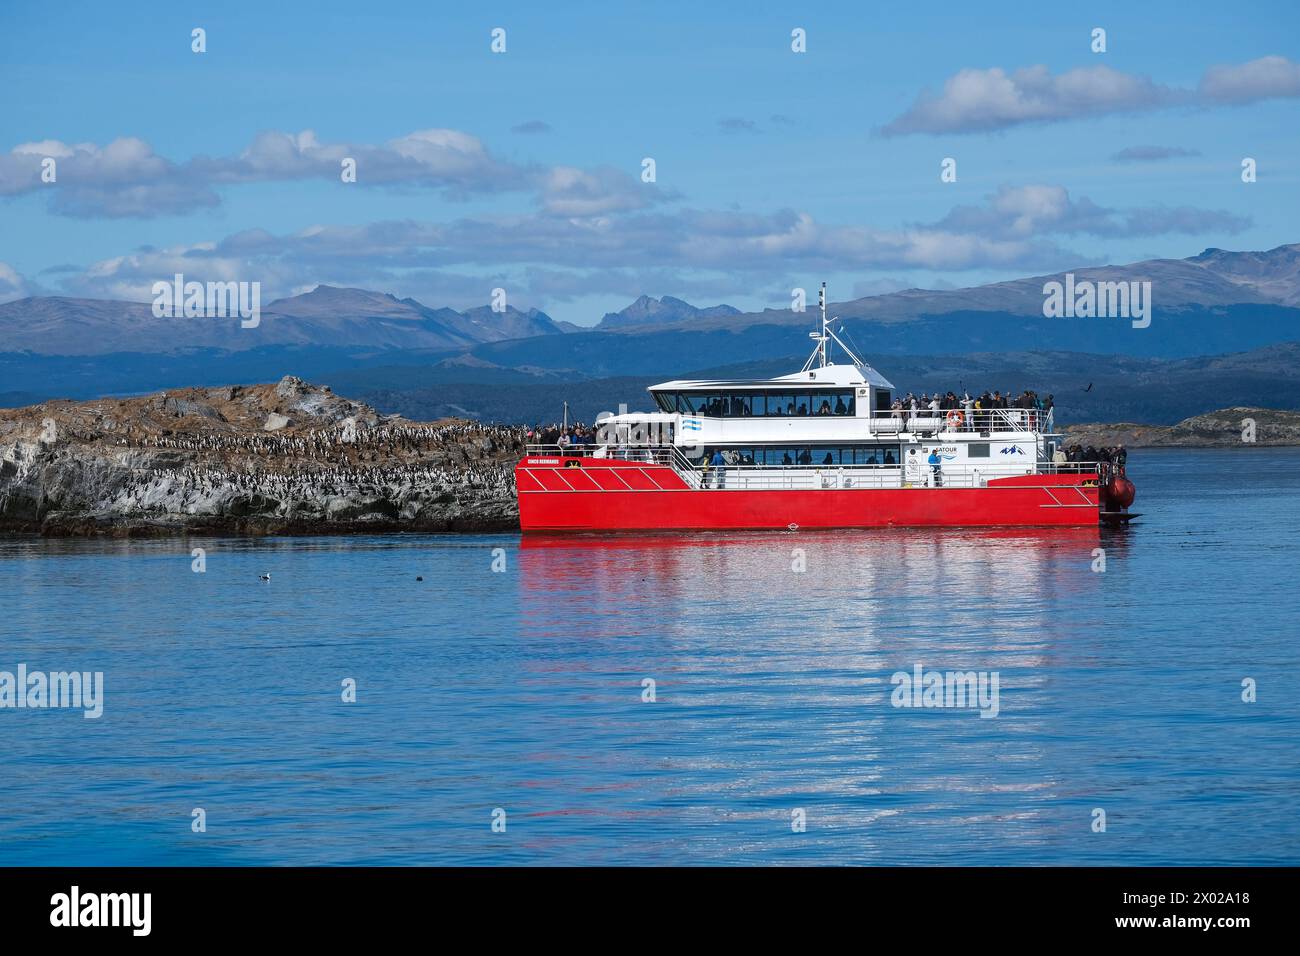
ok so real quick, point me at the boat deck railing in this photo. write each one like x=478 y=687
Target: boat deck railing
x=977 y=421
x=809 y=476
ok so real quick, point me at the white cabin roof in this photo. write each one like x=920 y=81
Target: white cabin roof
x=829 y=375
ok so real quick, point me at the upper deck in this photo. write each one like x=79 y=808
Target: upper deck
x=822 y=403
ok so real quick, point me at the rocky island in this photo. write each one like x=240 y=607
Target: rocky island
x=1226 y=428
x=286 y=458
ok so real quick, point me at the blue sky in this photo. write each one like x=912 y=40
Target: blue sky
x=774 y=168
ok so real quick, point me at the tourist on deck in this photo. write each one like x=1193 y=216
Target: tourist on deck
x=840 y=407
x=719 y=466
x=936 y=466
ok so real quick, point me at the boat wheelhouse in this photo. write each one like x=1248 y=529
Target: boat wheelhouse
x=826 y=446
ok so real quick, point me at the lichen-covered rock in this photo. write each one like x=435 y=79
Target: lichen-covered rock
x=199 y=461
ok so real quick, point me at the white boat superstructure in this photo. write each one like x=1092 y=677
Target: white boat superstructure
x=831 y=425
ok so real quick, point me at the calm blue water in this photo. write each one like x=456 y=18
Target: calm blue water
x=521 y=690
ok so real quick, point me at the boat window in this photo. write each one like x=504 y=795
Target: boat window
x=736 y=405
x=977 y=450
x=708 y=403
x=756 y=404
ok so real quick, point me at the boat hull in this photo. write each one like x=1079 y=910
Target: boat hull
x=601 y=495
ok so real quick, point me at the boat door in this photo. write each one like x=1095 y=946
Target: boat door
x=914 y=467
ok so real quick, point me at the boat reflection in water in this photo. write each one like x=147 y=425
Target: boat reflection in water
x=771 y=657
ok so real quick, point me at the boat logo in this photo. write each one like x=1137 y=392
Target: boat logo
x=1013 y=450
x=692 y=425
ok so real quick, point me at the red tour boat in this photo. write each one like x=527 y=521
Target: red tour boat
x=821 y=448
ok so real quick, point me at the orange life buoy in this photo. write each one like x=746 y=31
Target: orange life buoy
x=955 y=418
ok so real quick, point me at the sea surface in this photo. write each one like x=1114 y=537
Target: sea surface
x=519 y=696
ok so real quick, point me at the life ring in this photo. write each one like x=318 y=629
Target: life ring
x=955 y=418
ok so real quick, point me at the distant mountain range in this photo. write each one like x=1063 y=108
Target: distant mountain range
x=326 y=317
x=651 y=311
x=1218 y=303
x=999 y=315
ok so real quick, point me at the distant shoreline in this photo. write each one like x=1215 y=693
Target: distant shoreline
x=1226 y=428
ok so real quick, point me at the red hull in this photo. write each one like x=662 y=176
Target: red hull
x=605 y=495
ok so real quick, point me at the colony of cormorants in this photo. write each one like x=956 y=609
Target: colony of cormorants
x=467 y=460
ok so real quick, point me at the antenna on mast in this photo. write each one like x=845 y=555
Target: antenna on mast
x=824 y=336
x=821 y=301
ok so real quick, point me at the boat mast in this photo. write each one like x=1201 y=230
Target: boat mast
x=820 y=355
x=821 y=302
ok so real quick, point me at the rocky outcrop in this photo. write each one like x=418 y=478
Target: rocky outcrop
x=1228 y=427
x=202 y=461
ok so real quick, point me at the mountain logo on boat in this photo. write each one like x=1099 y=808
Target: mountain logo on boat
x=1013 y=450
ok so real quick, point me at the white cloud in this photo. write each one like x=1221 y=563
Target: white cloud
x=981 y=100
x=125 y=178
x=13 y=285
x=569 y=191
x=590 y=232
x=1268 y=77
x=1021 y=212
